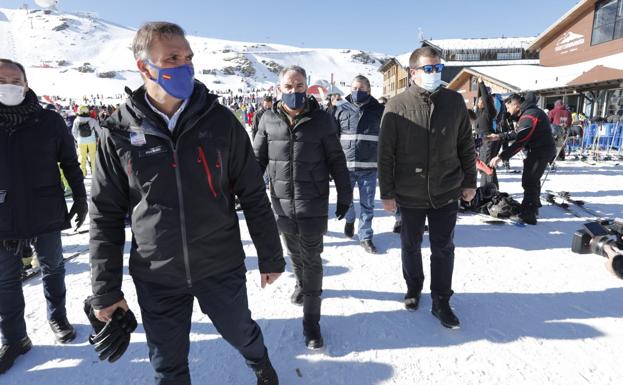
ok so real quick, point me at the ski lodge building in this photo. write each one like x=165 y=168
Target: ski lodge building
x=580 y=62
x=458 y=54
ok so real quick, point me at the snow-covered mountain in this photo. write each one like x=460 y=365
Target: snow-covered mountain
x=76 y=54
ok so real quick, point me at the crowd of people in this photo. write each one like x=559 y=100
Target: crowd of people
x=172 y=160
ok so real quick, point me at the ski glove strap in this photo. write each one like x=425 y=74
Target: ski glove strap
x=111 y=339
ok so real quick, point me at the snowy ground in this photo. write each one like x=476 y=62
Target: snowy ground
x=532 y=312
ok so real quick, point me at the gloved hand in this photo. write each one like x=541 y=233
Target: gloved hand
x=80 y=208
x=111 y=339
x=340 y=210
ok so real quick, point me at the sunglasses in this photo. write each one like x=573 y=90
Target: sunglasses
x=429 y=68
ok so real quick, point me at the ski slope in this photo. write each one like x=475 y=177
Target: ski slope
x=531 y=311
x=53 y=46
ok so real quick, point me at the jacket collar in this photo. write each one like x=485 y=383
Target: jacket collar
x=135 y=110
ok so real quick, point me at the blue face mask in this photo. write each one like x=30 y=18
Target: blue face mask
x=360 y=96
x=177 y=82
x=295 y=100
x=432 y=81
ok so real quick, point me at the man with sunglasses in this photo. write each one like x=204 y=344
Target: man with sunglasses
x=426 y=164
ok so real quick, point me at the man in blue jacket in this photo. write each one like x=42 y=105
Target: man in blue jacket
x=359 y=118
x=33 y=141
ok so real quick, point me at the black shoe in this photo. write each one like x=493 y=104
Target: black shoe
x=529 y=219
x=265 y=373
x=412 y=300
x=441 y=309
x=349 y=230
x=10 y=352
x=311 y=322
x=63 y=331
x=397 y=227
x=369 y=246
x=297 y=295
x=313 y=337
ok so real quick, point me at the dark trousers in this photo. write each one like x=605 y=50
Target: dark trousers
x=533 y=169
x=488 y=151
x=50 y=255
x=305 y=250
x=167 y=311
x=441 y=223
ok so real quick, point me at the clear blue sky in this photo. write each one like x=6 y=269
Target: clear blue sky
x=386 y=26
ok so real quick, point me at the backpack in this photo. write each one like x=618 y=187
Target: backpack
x=502 y=205
x=84 y=129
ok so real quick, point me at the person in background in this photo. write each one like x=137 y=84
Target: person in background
x=267 y=104
x=85 y=129
x=359 y=120
x=485 y=120
x=534 y=135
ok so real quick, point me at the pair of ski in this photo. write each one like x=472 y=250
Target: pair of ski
x=35 y=271
x=489 y=220
x=565 y=201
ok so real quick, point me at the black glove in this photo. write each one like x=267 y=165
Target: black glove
x=111 y=339
x=341 y=210
x=80 y=208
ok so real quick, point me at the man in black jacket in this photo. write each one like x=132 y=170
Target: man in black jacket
x=359 y=119
x=297 y=144
x=174 y=158
x=534 y=135
x=427 y=162
x=33 y=141
x=267 y=104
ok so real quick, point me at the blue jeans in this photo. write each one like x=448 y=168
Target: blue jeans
x=50 y=255
x=366 y=180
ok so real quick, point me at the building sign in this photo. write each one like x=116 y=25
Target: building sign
x=569 y=42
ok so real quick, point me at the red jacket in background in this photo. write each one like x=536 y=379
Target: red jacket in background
x=560 y=115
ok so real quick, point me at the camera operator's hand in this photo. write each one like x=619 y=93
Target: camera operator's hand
x=492 y=138
x=495 y=161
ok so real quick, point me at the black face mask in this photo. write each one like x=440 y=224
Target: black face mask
x=360 y=96
x=295 y=100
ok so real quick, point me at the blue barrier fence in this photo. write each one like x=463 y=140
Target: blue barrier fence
x=608 y=134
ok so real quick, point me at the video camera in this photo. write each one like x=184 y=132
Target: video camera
x=603 y=238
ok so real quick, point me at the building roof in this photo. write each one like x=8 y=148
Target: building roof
x=479 y=44
x=597 y=74
x=538 y=78
x=558 y=27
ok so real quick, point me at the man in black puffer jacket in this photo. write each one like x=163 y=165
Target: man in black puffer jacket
x=174 y=158
x=534 y=135
x=297 y=143
x=33 y=142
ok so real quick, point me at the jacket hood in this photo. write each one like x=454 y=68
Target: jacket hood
x=559 y=105
x=135 y=108
x=529 y=101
